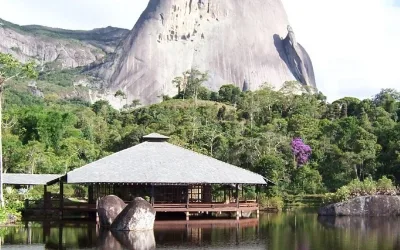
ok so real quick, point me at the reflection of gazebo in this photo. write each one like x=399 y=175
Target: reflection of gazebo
x=173 y=179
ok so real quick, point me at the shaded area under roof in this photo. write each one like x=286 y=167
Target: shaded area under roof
x=159 y=162
x=29 y=179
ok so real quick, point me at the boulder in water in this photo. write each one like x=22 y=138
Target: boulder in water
x=375 y=205
x=139 y=215
x=108 y=209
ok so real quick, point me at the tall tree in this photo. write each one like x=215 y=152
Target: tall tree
x=10 y=69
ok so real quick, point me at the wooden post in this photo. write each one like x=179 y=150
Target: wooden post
x=237 y=202
x=237 y=195
x=45 y=200
x=152 y=195
x=257 y=194
x=242 y=191
x=187 y=197
x=61 y=199
x=224 y=194
x=90 y=194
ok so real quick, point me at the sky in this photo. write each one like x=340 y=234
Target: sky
x=354 y=44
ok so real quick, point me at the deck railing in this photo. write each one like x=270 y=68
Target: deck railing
x=81 y=206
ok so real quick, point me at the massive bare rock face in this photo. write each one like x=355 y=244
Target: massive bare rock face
x=62 y=48
x=236 y=41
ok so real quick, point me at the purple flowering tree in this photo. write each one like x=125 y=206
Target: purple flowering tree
x=301 y=152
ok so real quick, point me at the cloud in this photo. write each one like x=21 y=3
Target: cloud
x=353 y=44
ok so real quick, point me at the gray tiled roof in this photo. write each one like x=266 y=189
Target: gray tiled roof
x=161 y=162
x=155 y=136
x=28 y=179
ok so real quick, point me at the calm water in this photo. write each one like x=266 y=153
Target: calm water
x=285 y=231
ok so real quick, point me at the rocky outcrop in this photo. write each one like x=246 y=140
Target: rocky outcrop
x=298 y=60
x=108 y=208
x=139 y=215
x=173 y=36
x=377 y=205
x=61 y=48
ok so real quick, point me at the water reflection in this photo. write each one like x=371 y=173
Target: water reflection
x=141 y=240
x=286 y=231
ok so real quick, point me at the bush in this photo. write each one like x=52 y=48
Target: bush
x=275 y=202
x=383 y=186
x=8 y=216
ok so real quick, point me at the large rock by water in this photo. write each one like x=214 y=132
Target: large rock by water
x=236 y=41
x=139 y=215
x=377 y=205
x=108 y=208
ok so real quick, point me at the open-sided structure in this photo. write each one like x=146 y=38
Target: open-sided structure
x=172 y=178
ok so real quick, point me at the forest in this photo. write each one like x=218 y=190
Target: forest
x=258 y=130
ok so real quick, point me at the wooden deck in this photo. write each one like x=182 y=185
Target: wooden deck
x=187 y=208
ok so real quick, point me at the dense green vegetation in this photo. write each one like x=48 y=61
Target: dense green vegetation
x=383 y=186
x=349 y=138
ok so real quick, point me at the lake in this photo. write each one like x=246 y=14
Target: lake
x=283 y=231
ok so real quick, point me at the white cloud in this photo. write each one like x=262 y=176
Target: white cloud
x=354 y=44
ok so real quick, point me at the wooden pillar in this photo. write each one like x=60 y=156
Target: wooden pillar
x=237 y=202
x=187 y=197
x=61 y=199
x=224 y=194
x=237 y=195
x=242 y=192
x=152 y=195
x=45 y=200
x=257 y=194
x=90 y=194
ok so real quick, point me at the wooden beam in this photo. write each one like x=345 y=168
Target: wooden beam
x=61 y=199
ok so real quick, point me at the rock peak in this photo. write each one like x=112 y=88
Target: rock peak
x=227 y=38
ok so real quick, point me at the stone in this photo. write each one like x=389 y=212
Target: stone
x=376 y=205
x=139 y=215
x=158 y=49
x=62 y=48
x=298 y=60
x=108 y=209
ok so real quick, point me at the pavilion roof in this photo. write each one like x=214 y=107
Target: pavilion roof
x=159 y=162
x=28 y=179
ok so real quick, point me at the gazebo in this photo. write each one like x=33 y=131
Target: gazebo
x=172 y=178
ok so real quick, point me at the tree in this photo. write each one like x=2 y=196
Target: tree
x=135 y=103
x=121 y=95
x=301 y=152
x=10 y=69
x=190 y=84
x=229 y=94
